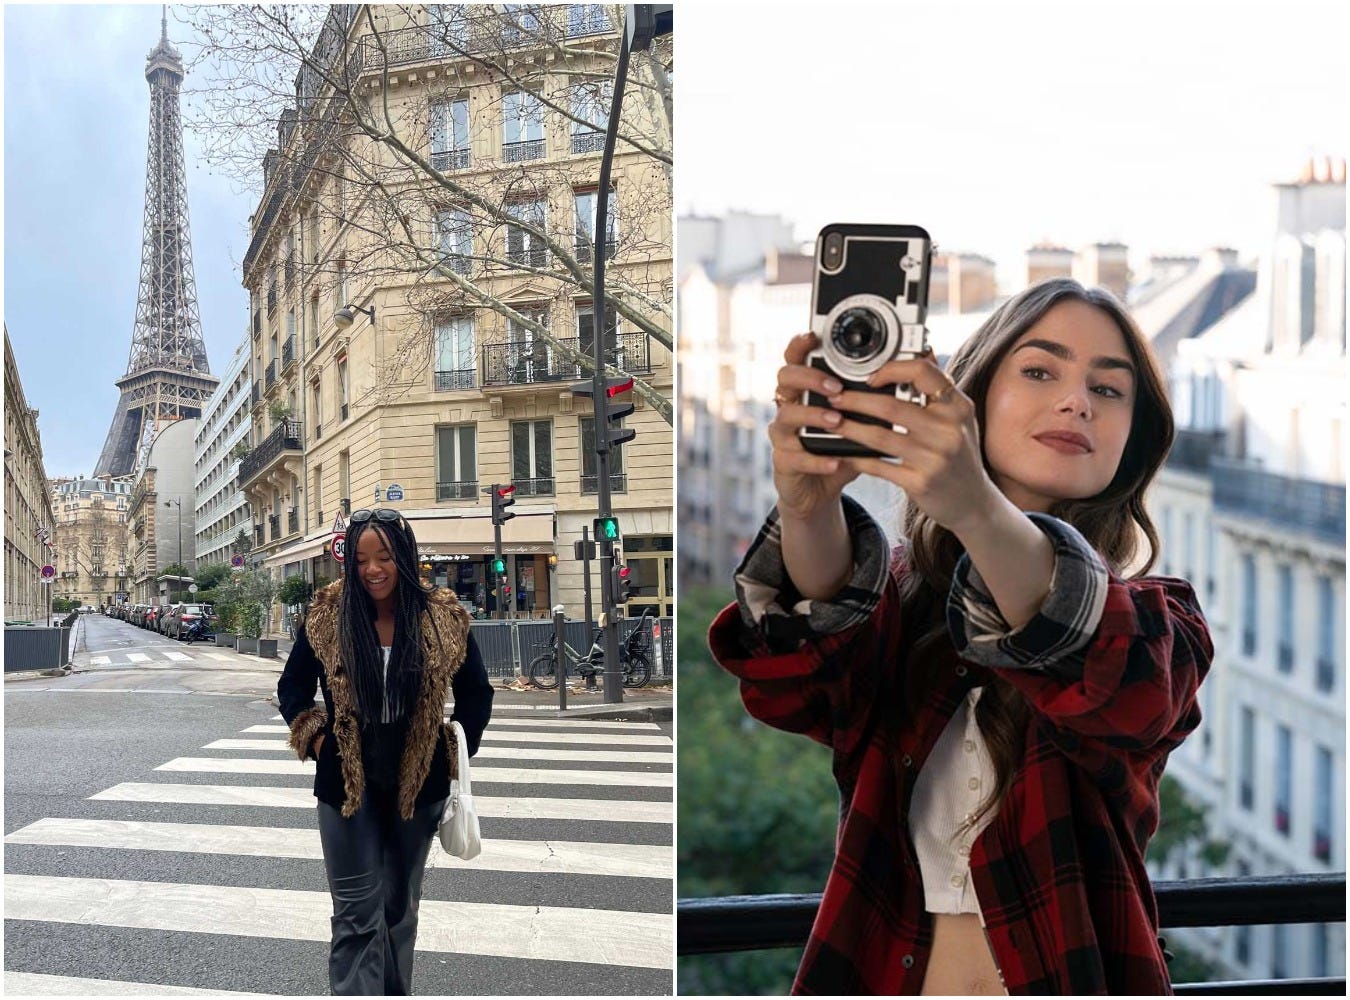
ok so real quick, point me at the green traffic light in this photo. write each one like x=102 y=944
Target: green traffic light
x=608 y=528
x=499 y=566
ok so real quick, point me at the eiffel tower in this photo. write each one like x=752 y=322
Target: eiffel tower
x=168 y=377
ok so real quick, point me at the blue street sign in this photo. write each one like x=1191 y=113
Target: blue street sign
x=394 y=492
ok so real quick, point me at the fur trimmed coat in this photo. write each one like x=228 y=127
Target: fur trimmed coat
x=452 y=663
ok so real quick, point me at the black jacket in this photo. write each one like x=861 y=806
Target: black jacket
x=451 y=662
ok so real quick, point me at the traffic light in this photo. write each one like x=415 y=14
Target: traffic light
x=622 y=582
x=499 y=566
x=502 y=497
x=607 y=529
x=616 y=411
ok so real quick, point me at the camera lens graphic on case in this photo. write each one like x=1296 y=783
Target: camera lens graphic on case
x=859 y=334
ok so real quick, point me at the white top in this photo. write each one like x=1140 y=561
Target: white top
x=952 y=783
x=386 y=651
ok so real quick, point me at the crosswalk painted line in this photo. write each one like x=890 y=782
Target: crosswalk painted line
x=629 y=860
x=488 y=807
x=100 y=661
x=34 y=984
x=486 y=752
x=549 y=933
x=173 y=654
x=221 y=765
x=220 y=657
x=517 y=736
x=138 y=658
x=499 y=720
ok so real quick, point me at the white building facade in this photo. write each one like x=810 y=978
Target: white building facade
x=222 y=509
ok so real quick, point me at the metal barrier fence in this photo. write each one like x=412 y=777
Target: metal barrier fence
x=508 y=647
x=36 y=647
x=749 y=923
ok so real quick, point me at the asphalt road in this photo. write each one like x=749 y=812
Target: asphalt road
x=197 y=865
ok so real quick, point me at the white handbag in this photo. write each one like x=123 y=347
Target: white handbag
x=459 y=833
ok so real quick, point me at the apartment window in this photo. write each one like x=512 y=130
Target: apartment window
x=456 y=361
x=342 y=387
x=1326 y=634
x=1324 y=792
x=529 y=357
x=1285 y=591
x=288 y=353
x=316 y=409
x=532 y=457
x=456 y=462
x=450 y=134
x=522 y=245
x=1284 y=761
x=1249 y=604
x=313 y=237
x=522 y=127
x=613 y=344
x=591 y=101
x=454 y=234
x=590 y=477
x=1246 y=757
x=316 y=494
x=586 y=204
x=314 y=321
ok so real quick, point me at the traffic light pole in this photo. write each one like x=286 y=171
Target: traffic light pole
x=498 y=558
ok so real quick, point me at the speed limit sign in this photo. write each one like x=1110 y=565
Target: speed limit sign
x=339 y=547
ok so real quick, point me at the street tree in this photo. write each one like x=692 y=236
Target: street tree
x=317 y=95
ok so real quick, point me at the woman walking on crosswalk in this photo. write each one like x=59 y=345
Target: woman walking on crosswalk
x=385 y=651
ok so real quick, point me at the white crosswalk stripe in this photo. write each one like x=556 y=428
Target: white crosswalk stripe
x=247 y=801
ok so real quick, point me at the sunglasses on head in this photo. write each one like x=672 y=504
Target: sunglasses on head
x=379 y=514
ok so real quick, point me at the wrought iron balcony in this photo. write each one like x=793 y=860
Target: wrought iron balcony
x=533 y=487
x=257 y=392
x=450 y=159
x=258 y=538
x=270 y=374
x=588 y=142
x=521 y=152
x=587 y=19
x=466 y=378
x=274 y=526
x=293 y=521
x=528 y=256
x=271 y=298
x=460 y=263
x=286 y=436
x=467 y=490
x=289 y=271
x=288 y=352
x=584 y=250
x=471 y=34
x=1317 y=509
x=618 y=483
x=1192 y=449
x=530 y=362
x=752 y=923
x=257 y=322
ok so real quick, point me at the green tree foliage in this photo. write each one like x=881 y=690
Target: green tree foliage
x=758 y=808
x=211 y=575
x=294 y=590
x=1182 y=825
x=242 y=601
x=175 y=569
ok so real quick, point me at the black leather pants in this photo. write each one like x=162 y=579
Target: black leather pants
x=375 y=862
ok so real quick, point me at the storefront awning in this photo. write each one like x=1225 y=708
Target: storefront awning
x=523 y=534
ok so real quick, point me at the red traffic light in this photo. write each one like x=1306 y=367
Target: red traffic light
x=618 y=387
x=505 y=491
x=624 y=572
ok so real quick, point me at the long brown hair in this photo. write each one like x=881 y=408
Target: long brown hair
x=1111 y=521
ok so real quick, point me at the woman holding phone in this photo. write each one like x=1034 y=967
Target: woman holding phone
x=1001 y=691
x=385 y=651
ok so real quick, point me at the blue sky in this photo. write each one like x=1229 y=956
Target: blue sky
x=76 y=122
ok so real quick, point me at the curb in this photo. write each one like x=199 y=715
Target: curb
x=33 y=675
x=619 y=713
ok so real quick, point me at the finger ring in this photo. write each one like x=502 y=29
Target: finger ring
x=779 y=399
x=944 y=395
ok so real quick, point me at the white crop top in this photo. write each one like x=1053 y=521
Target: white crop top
x=954 y=780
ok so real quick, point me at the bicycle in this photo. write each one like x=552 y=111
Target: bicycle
x=634 y=661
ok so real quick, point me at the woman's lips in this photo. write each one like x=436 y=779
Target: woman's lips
x=1063 y=445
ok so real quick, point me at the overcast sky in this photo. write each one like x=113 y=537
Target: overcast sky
x=77 y=113
x=995 y=125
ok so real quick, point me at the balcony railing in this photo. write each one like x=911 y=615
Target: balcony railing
x=460 y=263
x=450 y=159
x=465 y=378
x=618 y=483
x=528 y=362
x=293 y=521
x=521 y=152
x=288 y=352
x=257 y=322
x=586 y=19
x=751 y=923
x=457 y=491
x=1192 y=449
x=1317 y=509
x=272 y=298
x=588 y=142
x=270 y=374
x=285 y=436
x=256 y=395
x=533 y=487
x=584 y=250
x=528 y=256
x=274 y=526
x=258 y=538
x=289 y=271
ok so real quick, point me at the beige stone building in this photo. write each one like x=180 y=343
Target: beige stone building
x=92 y=556
x=462 y=308
x=28 y=506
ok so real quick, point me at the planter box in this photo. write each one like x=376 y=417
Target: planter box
x=268 y=648
x=246 y=644
x=225 y=639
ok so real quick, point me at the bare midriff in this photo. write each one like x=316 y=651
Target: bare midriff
x=962 y=963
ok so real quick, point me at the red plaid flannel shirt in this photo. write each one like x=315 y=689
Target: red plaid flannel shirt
x=1059 y=872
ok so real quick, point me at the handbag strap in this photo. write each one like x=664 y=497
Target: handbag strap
x=461 y=770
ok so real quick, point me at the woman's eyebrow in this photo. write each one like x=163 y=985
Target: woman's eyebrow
x=1061 y=351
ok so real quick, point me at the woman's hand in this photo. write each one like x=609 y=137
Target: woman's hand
x=318 y=745
x=941 y=468
x=807 y=484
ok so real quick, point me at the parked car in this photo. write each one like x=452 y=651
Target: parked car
x=151 y=616
x=180 y=616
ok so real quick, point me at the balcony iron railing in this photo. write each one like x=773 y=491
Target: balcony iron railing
x=533 y=487
x=274 y=526
x=270 y=374
x=293 y=521
x=1192 y=450
x=285 y=436
x=618 y=482
x=528 y=256
x=289 y=270
x=460 y=263
x=288 y=352
x=1298 y=504
x=751 y=923
x=521 y=152
x=271 y=298
x=585 y=250
x=257 y=392
x=466 y=378
x=257 y=322
x=258 y=538
x=457 y=491
x=586 y=19
x=450 y=159
x=522 y=362
x=588 y=142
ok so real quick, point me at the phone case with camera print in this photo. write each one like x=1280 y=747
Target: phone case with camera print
x=869 y=304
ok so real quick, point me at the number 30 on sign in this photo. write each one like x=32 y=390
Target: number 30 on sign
x=339 y=548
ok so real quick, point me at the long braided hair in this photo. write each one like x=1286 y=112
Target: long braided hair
x=359 y=642
x=1113 y=522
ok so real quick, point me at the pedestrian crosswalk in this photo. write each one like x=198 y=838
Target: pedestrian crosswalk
x=218 y=849
x=167 y=657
